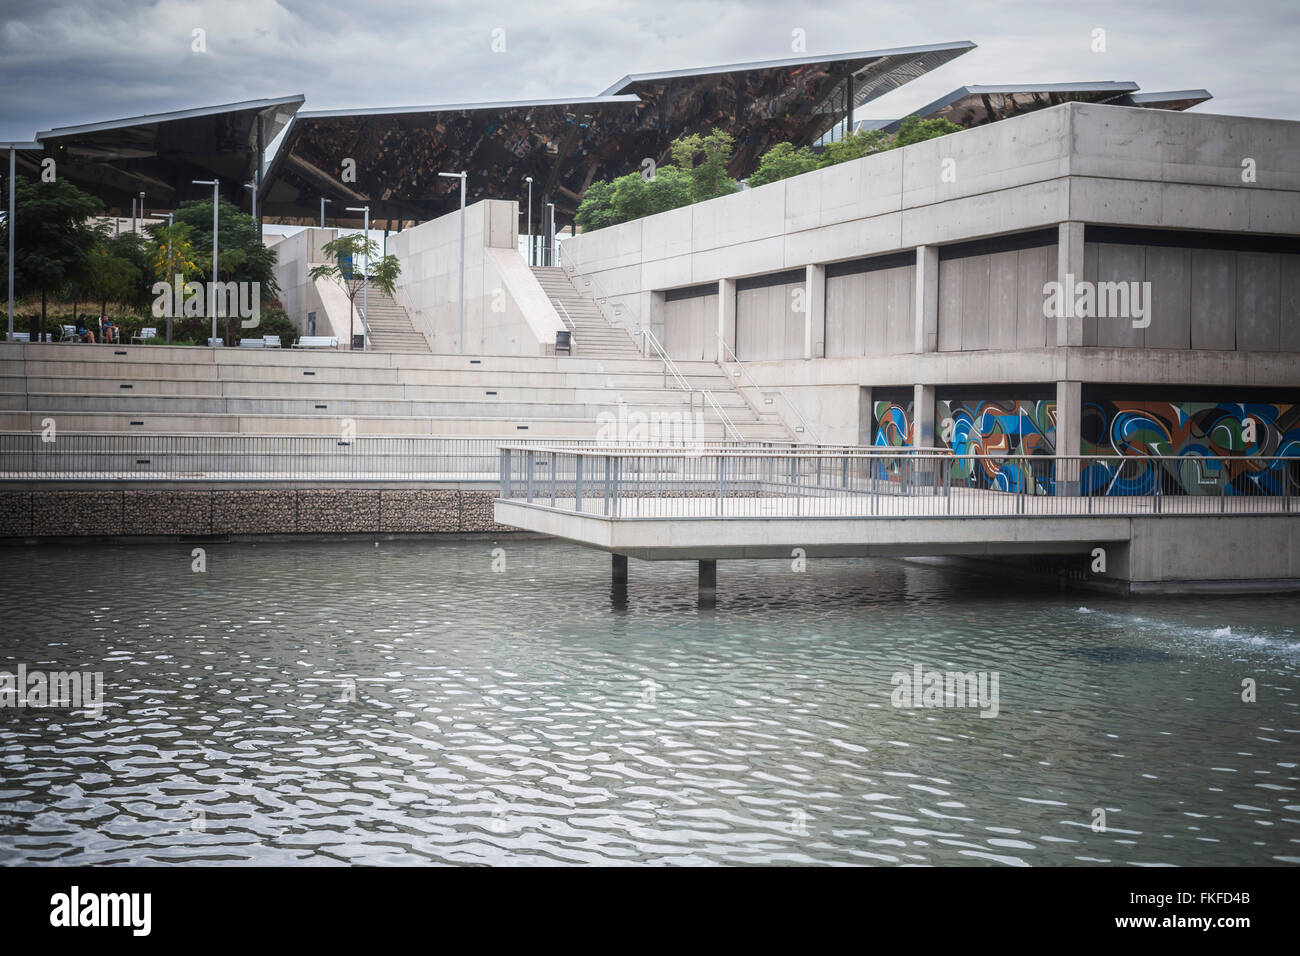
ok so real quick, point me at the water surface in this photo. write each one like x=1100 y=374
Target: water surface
x=334 y=703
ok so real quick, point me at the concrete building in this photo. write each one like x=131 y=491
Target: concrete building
x=900 y=298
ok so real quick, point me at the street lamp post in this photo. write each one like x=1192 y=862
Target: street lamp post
x=253 y=187
x=323 y=201
x=141 y=211
x=365 y=275
x=212 y=283
x=529 y=180
x=550 y=243
x=462 y=176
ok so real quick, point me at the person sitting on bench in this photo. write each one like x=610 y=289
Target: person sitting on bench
x=82 y=332
x=108 y=330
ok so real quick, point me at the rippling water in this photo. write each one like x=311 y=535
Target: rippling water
x=346 y=703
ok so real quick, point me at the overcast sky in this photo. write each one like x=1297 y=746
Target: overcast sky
x=65 y=62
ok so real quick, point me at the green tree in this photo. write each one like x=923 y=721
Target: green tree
x=53 y=238
x=173 y=255
x=861 y=143
x=669 y=188
x=241 y=254
x=781 y=162
x=629 y=198
x=114 y=277
x=350 y=249
x=917 y=130
x=705 y=158
x=596 y=211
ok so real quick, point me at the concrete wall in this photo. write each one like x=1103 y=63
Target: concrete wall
x=506 y=311
x=770 y=322
x=870 y=312
x=1200 y=298
x=994 y=300
x=297 y=255
x=690 y=327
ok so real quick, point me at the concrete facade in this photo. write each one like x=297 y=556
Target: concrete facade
x=928 y=265
x=506 y=310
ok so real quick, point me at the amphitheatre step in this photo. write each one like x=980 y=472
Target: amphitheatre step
x=490 y=408
x=504 y=428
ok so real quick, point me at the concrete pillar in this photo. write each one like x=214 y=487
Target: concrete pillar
x=618 y=581
x=708 y=583
x=1069 y=262
x=866 y=415
x=927 y=299
x=1069 y=418
x=923 y=416
x=726 y=316
x=814 y=315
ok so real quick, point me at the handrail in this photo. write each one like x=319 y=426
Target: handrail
x=567 y=316
x=569 y=263
x=669 y=366
x=727 y=423
x=753 y=384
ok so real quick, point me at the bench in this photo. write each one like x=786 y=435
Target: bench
x=216 y=343
x=251 y=344
x=271 y=341
x=145 y=335
x=21 y=337
x=317 y=342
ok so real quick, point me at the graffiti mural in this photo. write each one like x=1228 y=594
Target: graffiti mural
x=1183 y=435
x=1020 y=430
x=893 y=424
x=1013 y=428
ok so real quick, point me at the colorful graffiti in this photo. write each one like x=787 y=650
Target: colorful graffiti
x=1020 y=430
x=893 y=424
x=1144 y=446
x=1181 y=436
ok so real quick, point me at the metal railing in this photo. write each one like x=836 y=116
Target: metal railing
x=570 y=265
x=26 y=456
x=670 y=367
x=803 y=425
x=672 y=484
x=728 y=425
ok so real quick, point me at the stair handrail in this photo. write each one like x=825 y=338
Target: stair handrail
x=756 y=387
x=727 y=423
x=670 y=367
x=569 y=263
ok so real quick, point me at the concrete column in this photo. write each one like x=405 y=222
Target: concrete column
x=927 y=299
x=1069 y=262
x=1069 y=417
x=708 y=583
x=923 y=416
x=618 y=580
x=726 y=316
x=866 y=414
x=814 y=316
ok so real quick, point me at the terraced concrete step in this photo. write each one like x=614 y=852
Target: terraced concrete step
x=116 y=423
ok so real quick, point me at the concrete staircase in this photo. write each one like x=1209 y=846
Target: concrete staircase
x=593 y=334
x=155 y=389
x=391 y=329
